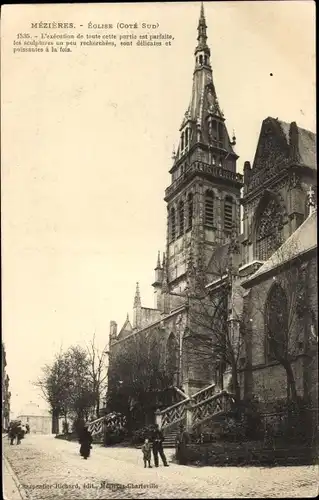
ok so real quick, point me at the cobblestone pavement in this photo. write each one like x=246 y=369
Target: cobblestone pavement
x=50 y=469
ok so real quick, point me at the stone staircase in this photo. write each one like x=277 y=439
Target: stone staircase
x=169 y=441
x=208 y=404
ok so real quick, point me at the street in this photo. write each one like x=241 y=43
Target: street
x=50 y=468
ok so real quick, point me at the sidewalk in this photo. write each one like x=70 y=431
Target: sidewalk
x=11 y=487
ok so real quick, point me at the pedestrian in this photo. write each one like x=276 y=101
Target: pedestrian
x=181 y=442
x=27 y=426
x=146 y=450
x=12 y=432
x=20 y=433
x=85 y=440
x=157 y=440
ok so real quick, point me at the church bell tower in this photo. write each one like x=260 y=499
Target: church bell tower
x=203 y=198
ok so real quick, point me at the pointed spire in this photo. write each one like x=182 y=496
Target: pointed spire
x=137 y=298
x=158 y=265
x=202 y=34
x=164 y=260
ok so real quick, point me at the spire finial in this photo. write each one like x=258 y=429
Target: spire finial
x=202 y=14
x=127 y=317
x=202 y=35
x=158 y=265
x=137 y=298
x=163 y=261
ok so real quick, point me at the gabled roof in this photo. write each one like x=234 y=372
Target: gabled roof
x=301 y=241
x=126 y=329
x=286 y=143
x=307 y=148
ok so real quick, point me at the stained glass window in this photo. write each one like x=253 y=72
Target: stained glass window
x=268 y=235
x=276 y=327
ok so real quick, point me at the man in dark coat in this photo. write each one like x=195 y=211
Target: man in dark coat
x=181 y=442
x=85 y=441
x=20 y=433
x=157 y=440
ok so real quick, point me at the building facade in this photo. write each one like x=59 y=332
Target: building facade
x=40 y=421
x=210 y=276
x=6 y=394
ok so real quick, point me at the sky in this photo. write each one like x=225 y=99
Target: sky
x=87 y=140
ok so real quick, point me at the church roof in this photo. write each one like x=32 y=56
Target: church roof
x=306 y=144
x=282 y=145
x=301 y=241
x=126 y=329
x=307 y=148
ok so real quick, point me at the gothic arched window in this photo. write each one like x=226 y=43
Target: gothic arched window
x=269 y=224
x=182 y=141
x=181 y=217
x=209 y=208
x=228 y=213
x=190 y=206
x=173 y=224
x=276 y=324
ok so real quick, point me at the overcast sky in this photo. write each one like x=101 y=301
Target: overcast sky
x=87 y=139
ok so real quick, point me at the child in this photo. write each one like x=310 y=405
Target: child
x=146 y=449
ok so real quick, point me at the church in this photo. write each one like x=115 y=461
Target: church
x=235 y=290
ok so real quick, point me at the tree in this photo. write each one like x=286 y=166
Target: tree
x=138 y=380
x=67 y=387
x=54 y=384
x=81 y=395
x=215 y=332
x=97 y=371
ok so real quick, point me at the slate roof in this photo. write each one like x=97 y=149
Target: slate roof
x=306 y=143
x=307 y=148
x=302 y=240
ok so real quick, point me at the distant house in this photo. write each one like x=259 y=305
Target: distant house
x=40 y=421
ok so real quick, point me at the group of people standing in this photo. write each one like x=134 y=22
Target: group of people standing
x=155 y=443
x=17 y=431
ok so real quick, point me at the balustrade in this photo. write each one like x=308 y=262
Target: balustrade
x=110 y=420
x=199 y=166
x=214 y=405
x=173 y=414
x=96 y=427
x=204 y=394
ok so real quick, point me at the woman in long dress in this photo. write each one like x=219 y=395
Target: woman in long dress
x=86 y=442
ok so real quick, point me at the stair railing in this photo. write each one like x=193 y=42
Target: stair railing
x=96 y=426
x=204 y=394
x=111 y=420
x=172 y=415
x=215 y=405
